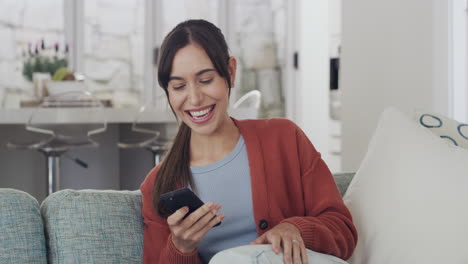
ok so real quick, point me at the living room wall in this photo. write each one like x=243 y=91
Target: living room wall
x=395 y=53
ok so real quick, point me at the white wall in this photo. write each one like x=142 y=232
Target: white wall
x=335 y=27
x=312 y=97
x=459 y=34
x=395 y=53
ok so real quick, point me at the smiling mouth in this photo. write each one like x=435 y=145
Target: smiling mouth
x=200 y=114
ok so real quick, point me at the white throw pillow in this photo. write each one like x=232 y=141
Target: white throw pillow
x=453 y=132
x=409 y=198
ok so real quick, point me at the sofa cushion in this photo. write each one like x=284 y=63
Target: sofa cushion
x=21 y=230
x=91 y=226
x=408 y=198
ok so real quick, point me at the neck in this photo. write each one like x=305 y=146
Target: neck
x=206 y=149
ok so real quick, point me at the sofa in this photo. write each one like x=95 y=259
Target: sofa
x=71 y=226
x=408 y=200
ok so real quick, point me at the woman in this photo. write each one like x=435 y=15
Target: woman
x=273 y=186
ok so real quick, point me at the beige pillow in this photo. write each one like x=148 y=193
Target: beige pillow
x=409 y=197
x=454 y=132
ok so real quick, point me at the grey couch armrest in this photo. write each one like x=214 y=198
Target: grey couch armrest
x=343 y=180
x=21 y=229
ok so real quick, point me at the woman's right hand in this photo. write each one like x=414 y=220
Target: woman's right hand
x=187 y=233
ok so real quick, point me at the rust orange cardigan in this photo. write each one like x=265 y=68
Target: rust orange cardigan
x=290 y=183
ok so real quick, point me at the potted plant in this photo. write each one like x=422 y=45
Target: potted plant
x=41 y=62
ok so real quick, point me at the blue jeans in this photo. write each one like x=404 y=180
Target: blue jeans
x=263 y=254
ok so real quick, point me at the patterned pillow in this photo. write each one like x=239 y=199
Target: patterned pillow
x=448 y=129
x=91 y=226
x=408 y=198
x=21 y=229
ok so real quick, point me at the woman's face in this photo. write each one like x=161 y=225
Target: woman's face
x=197 y=93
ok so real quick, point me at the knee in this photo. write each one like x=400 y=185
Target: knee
x=265 y=254
x=242 y=254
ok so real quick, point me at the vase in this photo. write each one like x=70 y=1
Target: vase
x=40 y=80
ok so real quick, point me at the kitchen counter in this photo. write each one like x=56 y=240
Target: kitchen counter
x=90 y=115
x=84 y=115
x=109 y=167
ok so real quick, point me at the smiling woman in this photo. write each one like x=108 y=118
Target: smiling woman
x=197 y=93
x=242 y=164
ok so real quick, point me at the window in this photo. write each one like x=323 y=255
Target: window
x=113 y=49
x=112 y=41
x=258 y=40
x=174 y=12
x=26 y=27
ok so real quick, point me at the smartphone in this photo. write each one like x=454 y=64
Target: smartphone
x=173 y=201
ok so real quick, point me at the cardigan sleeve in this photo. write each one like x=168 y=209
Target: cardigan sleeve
x=327 y=226
x=157 y=245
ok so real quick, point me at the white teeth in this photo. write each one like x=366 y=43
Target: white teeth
x=197 y=117
x=198 y=114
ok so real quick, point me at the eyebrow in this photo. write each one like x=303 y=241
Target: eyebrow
x=197 y=74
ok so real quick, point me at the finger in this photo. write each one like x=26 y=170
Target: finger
x=276 y=244
x=287 y=251
x=215 y=221
x=195 y=216
x=177 y=216
x=304 y=254
x=205 y=220
x=296 y=252
x=260 y=240
x=208 y=227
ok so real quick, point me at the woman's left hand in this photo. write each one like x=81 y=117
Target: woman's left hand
x=288 y=237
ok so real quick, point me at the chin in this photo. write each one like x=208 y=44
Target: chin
x=204 y=131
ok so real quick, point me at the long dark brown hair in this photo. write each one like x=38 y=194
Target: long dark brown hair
x=175 y=171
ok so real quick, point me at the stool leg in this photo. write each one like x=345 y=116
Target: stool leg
x=53 y=171
x=157 y=158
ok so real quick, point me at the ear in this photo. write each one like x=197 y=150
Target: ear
x=232 y=67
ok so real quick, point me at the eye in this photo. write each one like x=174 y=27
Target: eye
x=178 y=87
x=206 y=81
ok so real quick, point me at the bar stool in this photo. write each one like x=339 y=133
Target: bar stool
x=56 y=139
x=248 y=106
x=146 y=137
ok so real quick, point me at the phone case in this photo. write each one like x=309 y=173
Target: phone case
x=173 y=201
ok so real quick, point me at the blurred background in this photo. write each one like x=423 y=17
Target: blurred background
x=331 y=66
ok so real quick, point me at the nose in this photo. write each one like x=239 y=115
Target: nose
x=195 y=95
